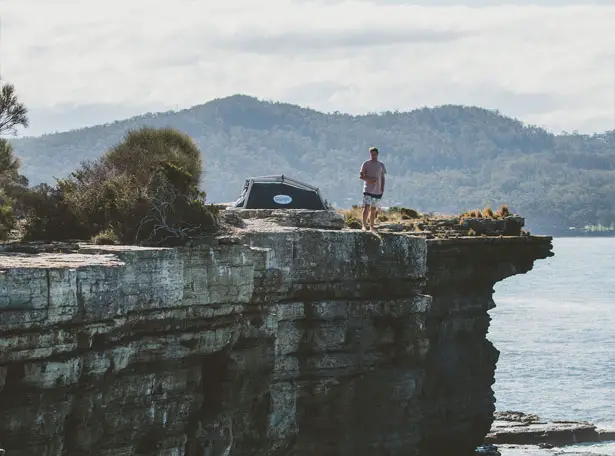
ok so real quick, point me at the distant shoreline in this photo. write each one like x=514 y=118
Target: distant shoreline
x=583 y=235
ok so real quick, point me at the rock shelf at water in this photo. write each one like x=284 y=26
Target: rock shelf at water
x=525 y=429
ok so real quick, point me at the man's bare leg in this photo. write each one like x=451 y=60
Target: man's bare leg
x=372 y=218
x=366 y=209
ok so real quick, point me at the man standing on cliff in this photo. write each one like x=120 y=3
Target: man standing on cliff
x=372 y=174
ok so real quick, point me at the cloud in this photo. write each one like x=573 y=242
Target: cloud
x=551 y=65
x=299 y=42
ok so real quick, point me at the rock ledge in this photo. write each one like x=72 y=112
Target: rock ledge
x=524 y=429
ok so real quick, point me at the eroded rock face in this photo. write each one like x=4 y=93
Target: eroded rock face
x=268 y=341
x=460 y=364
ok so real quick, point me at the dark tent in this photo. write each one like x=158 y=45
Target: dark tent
x=279 y=192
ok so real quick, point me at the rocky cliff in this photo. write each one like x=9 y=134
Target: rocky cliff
x=287 y=336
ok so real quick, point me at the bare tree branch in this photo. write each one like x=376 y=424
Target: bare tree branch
x=161 y=221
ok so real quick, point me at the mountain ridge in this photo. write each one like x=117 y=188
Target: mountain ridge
x=250 y=98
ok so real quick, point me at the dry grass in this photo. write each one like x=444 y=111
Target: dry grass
x=487 y=213
x=353 y=212
x=411 y=221
x=503 y=211
x=354 y=216
x=475 y=213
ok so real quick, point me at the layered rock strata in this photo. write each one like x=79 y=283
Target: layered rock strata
x=270 y=340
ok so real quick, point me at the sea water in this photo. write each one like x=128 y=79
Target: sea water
x=555 y=330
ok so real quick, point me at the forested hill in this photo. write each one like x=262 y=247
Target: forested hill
x=445 y=159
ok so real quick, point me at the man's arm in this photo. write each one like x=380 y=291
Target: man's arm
x=384 y=171
x=362 y=172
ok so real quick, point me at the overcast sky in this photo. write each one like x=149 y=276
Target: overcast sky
x=83 y=62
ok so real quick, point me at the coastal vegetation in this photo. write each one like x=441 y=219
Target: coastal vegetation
x=143 y=190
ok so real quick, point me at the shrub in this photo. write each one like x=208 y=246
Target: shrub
x=100 y=198
x=144 y=191
x=107 y=237
x=49 y=217
x=142 y=151
x=7 y=218
x=353 y=223
x=173 y=217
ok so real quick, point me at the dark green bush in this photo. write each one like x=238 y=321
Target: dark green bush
x=353 y=223
x=142 y=151
x=143 y=191
x=7 y=218
x=107 y=237
x=173 y=216
x=49 y=216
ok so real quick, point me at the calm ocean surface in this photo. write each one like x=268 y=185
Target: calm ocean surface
x=555 y=329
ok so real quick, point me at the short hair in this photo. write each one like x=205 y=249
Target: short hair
x=373 y=149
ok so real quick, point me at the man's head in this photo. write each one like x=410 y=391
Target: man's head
x=373 y=152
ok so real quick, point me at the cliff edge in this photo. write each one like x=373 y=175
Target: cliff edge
x=288 y=335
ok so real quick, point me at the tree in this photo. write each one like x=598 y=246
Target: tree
x=12 y=183
x=9 y=163
x=144 y=150
x=12 y=112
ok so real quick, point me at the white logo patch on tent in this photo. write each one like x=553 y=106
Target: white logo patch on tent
x=282 y=199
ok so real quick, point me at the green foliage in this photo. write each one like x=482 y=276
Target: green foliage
x=111 y=199
x=106 y=237
x=352 y=222
x=449 y=159
x=12 y=112
x=49 y=216
x=12 y=185
x=143 y=151
x=9 y=163
x=173 y=217
x=7 y=218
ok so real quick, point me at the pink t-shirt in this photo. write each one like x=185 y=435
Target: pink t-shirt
x=373 y=168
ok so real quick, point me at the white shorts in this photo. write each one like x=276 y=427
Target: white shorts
x=371 y=200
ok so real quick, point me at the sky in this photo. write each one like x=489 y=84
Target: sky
x=76 y=63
